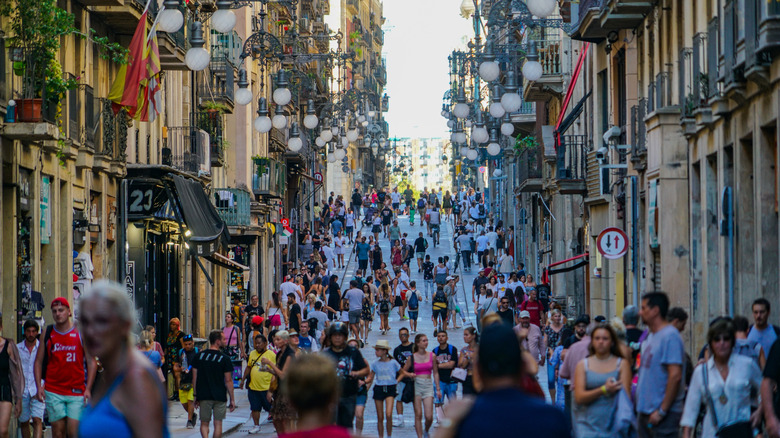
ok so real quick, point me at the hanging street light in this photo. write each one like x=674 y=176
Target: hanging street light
x=197 y=57
x=243 y=94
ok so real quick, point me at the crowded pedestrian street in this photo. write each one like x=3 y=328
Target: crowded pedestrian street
x=390 y=218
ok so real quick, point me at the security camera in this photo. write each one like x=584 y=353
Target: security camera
x=613 y=132
x=601 y=153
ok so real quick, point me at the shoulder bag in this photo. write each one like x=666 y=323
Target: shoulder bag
x=741 y=429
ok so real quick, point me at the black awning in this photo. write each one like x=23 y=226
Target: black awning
x=220 y=260
x=575 y=112
x=209 y=232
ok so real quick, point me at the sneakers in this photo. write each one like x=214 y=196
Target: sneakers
x=398 y=421
x=254 y=429
x=268 y=420
x=190 y=424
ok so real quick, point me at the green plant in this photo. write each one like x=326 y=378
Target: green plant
x=210 y=105
x=525 y=143
x=690 y=105
x=37 y=27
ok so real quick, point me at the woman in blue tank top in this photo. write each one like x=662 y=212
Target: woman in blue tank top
x=127 y=397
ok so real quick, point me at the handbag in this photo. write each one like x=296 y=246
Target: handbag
x=459 y=374
x=741 y=429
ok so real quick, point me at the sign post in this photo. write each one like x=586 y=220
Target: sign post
x=612 y=243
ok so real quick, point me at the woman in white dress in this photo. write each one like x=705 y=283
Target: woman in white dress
x=339 y=250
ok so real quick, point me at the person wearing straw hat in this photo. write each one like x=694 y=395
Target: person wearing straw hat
x=384 y=376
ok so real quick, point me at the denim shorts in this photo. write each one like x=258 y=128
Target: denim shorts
x=448 y=390
x=31 y=408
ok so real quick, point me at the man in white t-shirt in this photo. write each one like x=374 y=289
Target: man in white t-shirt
x=289 y=287
x=482 y=247
x=395 y=198
x=492 y=240
x=355 y=298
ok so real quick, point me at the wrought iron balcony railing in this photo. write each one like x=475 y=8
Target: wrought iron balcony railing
x=270 y=177
x=233 y=206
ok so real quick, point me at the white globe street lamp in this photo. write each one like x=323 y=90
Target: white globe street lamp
x=497 y=110
x=489 y=71
x=243 y=94
x=262 y=122
x=494 y=149
x=532 y=69
x=472 y=154
x=197 y=58
x=280 y=120
x=326 y=135
x=541 y=8
x=223 y=20
x=294 y=142
x=282 y=94
x=171 y=19
x=310 y=121
x=340 y=154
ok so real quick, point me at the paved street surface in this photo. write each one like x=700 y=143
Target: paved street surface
x=238 y=422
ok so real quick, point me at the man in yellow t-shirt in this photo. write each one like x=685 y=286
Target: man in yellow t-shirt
x=258 y=380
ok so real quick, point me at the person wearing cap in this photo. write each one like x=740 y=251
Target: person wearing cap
x=384 y=377
x=499 y=367
x=350 y=367
x=533 y=339
x=67 y=385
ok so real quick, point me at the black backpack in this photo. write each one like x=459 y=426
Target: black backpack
x=478 y=197
x=439 y=296
x=384 y=306
x=481 y=209
x=421 y=203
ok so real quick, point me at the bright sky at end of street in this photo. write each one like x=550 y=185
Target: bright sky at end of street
x=419 y=35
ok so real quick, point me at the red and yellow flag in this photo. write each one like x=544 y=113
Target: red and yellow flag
x=126 y=89
x=150 y=97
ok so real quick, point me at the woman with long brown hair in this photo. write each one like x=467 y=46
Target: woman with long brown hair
x=424 y=369
x=598 y=379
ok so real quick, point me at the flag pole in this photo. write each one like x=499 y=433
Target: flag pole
x=154 y=24
x=146 y=8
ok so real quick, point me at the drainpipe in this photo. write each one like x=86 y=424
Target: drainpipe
x=635 y=238
x=727 y=229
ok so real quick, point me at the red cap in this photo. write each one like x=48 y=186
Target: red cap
x=62 y=301
x=257 y=320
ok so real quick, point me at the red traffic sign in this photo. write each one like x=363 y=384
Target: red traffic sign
x=612 y=243
x=318 y=177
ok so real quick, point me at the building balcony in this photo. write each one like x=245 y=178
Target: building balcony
x=187 y=149
x=353 y=7
x=525 y=116
x=571 y=165
x=270 y=178
x=104 y=132
x=380 y=74
x=551 y=82
x=598 y=17
x=379 y=35
x=122 y=16
x=233 y=206
x=212 y=123
x=173 y=47
x=216 y=84
x=529 y=170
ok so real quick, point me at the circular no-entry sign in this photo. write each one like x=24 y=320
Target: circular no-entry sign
x=318 y=177
x=612 y=243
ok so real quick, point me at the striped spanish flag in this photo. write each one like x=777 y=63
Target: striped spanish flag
x=150 y=97
x=125 y=90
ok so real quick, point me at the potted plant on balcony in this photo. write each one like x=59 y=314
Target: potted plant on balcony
x=37 y=27
x=214 y=109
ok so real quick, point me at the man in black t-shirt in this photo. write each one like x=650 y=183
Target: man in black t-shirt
x=446 y=358
x=294 y=310
x=387 y=217
x=357 y=202
x=350 y=367
x=250 y=310
x=507 y=315
x=580 y=329
x=477 y=284
x=380 y=197
x=401 y=354
x=212 y=379
x=420 y=245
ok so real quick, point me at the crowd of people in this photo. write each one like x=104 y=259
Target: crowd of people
x=301 y=355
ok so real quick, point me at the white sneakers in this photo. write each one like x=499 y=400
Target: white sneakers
x=398 y=421
x=254 y=429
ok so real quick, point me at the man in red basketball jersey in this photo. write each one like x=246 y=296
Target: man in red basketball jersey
x=61 y=379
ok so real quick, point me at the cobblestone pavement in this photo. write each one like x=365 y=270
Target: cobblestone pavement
x=238 y=424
